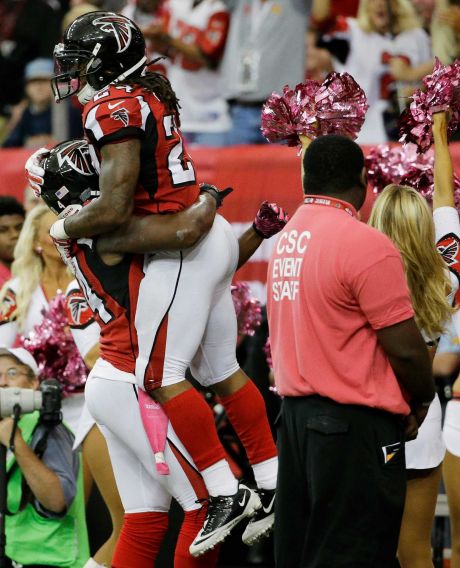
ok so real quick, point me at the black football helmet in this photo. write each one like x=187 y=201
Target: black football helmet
x=101 y=48
x=70 y=176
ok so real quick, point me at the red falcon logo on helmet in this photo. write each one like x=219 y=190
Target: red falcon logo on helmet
x=79 y=314
x=76 y=157
x=119 y=26
x=122 y=115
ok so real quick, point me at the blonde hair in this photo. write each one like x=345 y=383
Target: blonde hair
x=404 y=14
x=404 y=216
x=27 y=266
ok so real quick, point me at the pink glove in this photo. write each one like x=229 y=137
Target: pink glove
x=270 y=219
x=35 y=173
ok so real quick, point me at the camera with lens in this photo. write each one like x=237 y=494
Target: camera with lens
x=47 y=400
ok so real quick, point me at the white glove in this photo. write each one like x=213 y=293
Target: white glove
x=35 y=173
x=58 y=232
x=61 y=239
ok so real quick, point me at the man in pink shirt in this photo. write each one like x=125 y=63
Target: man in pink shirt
x=351 y=365
x=11 y=220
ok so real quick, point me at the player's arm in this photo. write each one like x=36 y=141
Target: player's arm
x=162 y=232
x=207 y=48
x=120 y=166
x=443 y=195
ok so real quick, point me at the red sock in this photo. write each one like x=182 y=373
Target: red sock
x=140 y=540
x=193 y=422
x=193 y=521
x=246 y=411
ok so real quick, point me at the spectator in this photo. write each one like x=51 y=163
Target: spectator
x=28 y=29
x=194 y=36
x=78 y=8
x=365 y=46
x=43 y=475
x=38 y=274
x=356 y=354
x=325 y=12
x=264 y=52
x=34 y=128
x=11 y=220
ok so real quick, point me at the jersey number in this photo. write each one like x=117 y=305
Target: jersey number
x=182 y=172
x=95 y=302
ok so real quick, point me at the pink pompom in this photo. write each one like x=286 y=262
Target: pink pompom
x=54 y=349
x=337 y=106
x=388 y=164
x=404 y=166
x=247 y=308
x=440 y=92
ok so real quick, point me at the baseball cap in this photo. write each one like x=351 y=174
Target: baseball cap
x=23 y=356
x=40 y=68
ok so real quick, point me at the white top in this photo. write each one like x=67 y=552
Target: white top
x=367 y=63
x=9 y=327
x=203 y=108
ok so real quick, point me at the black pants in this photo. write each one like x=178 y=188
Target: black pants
x=341 y=485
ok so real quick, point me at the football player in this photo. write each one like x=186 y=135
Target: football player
x=224 y=510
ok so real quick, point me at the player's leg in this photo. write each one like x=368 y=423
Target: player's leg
x=180 y=325
x=145 y=502
x=172 y=307
x=142 y=490
x=215 y=366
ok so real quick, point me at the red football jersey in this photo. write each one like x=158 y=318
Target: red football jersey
x=167 y=179
x=111 y=293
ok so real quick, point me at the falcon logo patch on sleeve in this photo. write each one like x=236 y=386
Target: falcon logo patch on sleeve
x=449 y=248
x=122 y=115
x=8 y=307
x=120 y=27
x=79 y=314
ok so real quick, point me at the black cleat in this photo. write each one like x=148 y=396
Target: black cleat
x=224 y=513
x=261 y=524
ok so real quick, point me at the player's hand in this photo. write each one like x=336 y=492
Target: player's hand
x=270 y=219
x=218 y=194
x=35 y=173
x=62 y=241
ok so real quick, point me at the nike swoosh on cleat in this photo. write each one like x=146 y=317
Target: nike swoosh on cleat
x=111 y=106
x=268 y=509
x=241 y=503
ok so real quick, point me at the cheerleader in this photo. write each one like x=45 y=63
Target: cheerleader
x=403 y=214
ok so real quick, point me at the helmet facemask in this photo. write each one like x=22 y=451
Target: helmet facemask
x=75 y=72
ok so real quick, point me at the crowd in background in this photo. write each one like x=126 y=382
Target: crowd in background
x=224 y=65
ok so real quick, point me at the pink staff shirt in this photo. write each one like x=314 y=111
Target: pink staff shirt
x=333 y=281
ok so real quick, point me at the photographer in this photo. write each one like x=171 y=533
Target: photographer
x=44 y=489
